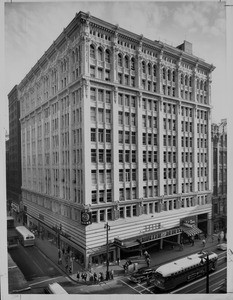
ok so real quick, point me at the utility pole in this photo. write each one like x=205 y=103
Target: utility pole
x=107 y=229
x=205 y=256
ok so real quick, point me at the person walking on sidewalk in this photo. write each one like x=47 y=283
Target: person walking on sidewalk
x=78 y=276
x=203 y=243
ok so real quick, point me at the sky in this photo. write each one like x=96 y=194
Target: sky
x=31 y=27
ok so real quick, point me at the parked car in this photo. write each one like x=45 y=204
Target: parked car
x=142 y=275
x=222 y=246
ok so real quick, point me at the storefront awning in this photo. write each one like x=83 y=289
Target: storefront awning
x=191 y=231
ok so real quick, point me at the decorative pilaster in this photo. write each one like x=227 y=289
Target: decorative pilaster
x=139 y=147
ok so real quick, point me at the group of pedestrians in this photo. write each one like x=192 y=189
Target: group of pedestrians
x=95 y=278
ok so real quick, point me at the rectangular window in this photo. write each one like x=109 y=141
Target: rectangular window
x=92 y=71
x=108 y=136
x=101 y=95
x=108 y=97
x=100 y=73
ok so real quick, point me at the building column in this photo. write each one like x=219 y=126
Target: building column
x=209 y=152
x=178 y=149
x=160 y=147
x=115 y=146
x=195 y=149
x=139 y=147
x=161 y=244
x=86 y=142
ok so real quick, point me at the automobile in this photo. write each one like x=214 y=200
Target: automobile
x=222 y=246
x=142 y=275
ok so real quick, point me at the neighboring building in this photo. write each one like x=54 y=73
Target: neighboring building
x=7 y=165
x=14 y=181
x=219 y=200
x=116 y=128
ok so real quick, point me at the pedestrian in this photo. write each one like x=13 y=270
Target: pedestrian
x=146 y=254
x=192 y=241
x=78 y=276
x=101 y=277
x=85 y=277
x=95 y=277
x=111 y=274
x=148 y=262
x=203 y=243
x=82 y=276
x=181 y=246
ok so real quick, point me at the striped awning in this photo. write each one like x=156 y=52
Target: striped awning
x=191 y=231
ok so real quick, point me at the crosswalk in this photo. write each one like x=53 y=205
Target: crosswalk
x=140 y=288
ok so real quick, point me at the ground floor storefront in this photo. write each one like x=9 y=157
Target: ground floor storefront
x=118 y=249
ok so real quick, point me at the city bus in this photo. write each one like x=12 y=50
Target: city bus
x=55 y=288
x=26 y=237
x=172 y=274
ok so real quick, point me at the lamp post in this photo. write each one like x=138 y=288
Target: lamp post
x=205 y=256
x=107 y=229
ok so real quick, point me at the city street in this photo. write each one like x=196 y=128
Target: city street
x=33 y=263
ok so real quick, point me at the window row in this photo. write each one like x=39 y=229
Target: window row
x=101 y=196
x=149 y=139
x=101 y=155
x=101 y=135
x=186 y=141
x=101 y=115
x=186 y=126
x=126 y=79
x=100 y=73
x=169 y=173
x=149 y=104
x=150 y=156
x=169 y=140
x=100 y=54
x=100 y=95
x=126 y=137
x=186 y=157
x=101 y=176
x=149 y=121
x=169 y=124
x=126 y=100
x=127 y=175
x=169 y=189
x=127 y=156
x=187 y=172
x=150 y=174
x=126 y=118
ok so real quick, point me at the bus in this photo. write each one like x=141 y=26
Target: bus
x=172 y=274
x=55 y=288
x=26 y=237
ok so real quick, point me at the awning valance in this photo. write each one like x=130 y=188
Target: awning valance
x=191 y=231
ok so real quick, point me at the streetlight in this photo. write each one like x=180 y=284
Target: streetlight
x=205 y=256
x=107 y=229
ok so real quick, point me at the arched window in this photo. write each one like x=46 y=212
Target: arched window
x=173 y=75
x=132 y=63
x=149 y=69
x=205 y=86
x=198 y=84
x=126 y=62
x=181 y=78
x=154 y=70
x=164 y=73
x=100 y=54
x=107 y=56
x=119 y=60
x=190 y=81
x=169 y=74
x=143 y=67
x=186 y=80
x=201 y=85
x=92 y=51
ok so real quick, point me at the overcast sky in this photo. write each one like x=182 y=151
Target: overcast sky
x=30 y=28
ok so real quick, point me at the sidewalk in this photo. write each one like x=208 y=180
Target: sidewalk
x=157 y=258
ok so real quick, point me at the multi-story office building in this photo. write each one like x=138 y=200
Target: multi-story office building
x=116 y=128
x=14 y=180
x=219 y=140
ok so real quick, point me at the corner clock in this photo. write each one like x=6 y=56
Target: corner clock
x=85 y=218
